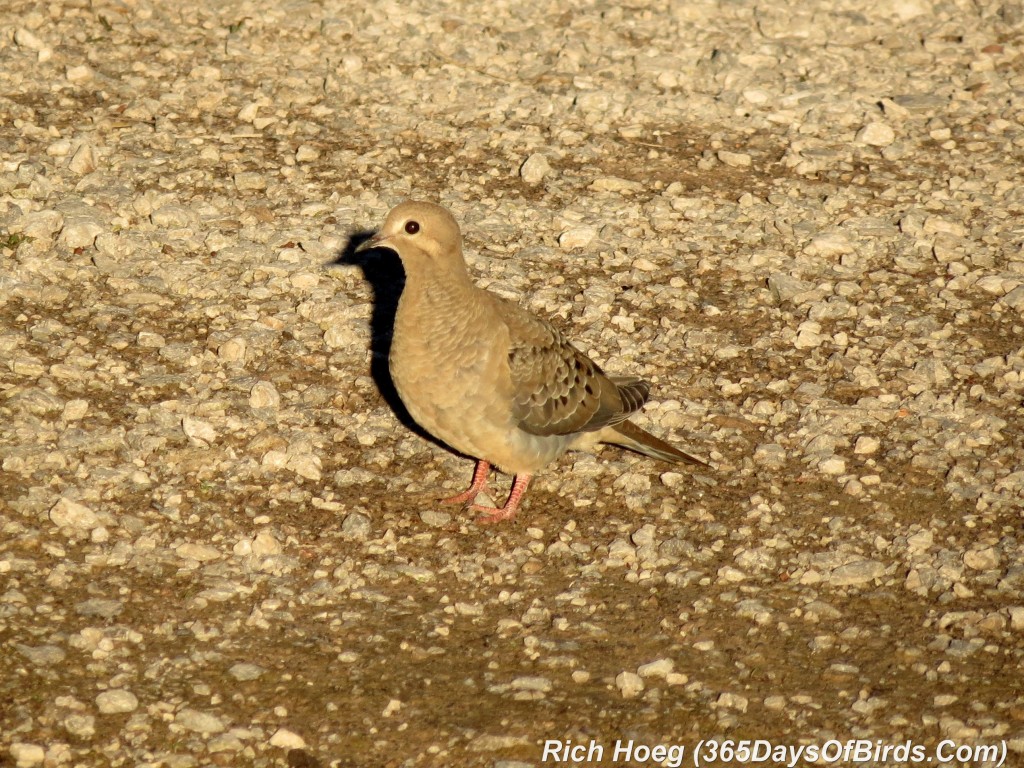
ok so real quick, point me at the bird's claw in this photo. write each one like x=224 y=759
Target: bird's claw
x=466 y=497
x=491 y=515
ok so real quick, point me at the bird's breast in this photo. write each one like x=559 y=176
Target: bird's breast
x=449 y=363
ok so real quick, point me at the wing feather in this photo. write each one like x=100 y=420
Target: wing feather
x=558 y=390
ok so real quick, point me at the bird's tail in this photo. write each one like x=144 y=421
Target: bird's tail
x=629 y=435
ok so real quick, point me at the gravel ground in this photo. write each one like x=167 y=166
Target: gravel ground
x=220 y=544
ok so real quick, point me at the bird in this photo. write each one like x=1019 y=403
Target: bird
x=490 y=379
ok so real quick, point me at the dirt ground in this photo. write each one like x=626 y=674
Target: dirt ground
x=221 y=542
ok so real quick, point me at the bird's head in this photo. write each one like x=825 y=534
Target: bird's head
x=416 y=229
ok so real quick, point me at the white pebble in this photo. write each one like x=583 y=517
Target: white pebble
x=84 y=160
x=244 y=671
x=232 y=350
x=27 y=755
x=629 y=684
x=351 y=63
x=116 y=702
x=264 y=543
x=193 y=551
x=1014 y=299
x=42 y=224
x=197 y=429
x=734 y=159
x=858 y=572
x=59 y=148
x=577 y=237
x=535 y=168
x=920 y=542
x=304 y=281
x=249 y=181
x=866 y=445
x=829 y=244
x=25 y=39
x=1017 y=617
x=876 y=135
x=199 y=722
x=729 y=575
x=79 y=74
x=615 y=184
x=264 y=395
x=732 y=701
x=833 y=465
x=982 y=559
x=150 y=340
x=80 y=232
x=356 y=526
x=81 y=726
x=770 y=455
x=435 y=518
x=660 y=668
x=305 y=153
x=807 y=338
x=70 y=514
x=305 y=465
x=286 y=739
x=672 y=479
x=248 y=113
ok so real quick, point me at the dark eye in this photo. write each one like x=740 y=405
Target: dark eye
x=412 y=227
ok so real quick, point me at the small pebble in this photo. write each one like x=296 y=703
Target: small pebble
x=535 y=168
x=866 y=445
x=250 y=182
x=855 y=573
x=577 y=237
x=27 y=755
x=660 y=668
x=116 y=701
x=70 y=514
x=876 y=134
x=264 y=395
x=735 y=159
x=200 y=722
x=286 y=739
x=244 y=671
x=630 y=684
x=356 y=526
x=26 y=39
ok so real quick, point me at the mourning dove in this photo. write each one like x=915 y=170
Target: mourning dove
x=487 y=377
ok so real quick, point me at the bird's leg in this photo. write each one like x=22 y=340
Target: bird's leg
x=492 y=515
x=478 y=485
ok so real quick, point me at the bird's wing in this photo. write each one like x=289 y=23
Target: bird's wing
x=556 y=389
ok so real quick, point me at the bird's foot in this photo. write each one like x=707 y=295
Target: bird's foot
x=478 y=486
x=490 y=515
x=465 y=497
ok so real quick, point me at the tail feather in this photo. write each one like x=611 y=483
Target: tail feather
x=629 y=435
x=633 y=392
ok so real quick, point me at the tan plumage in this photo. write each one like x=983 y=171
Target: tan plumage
x=487 y=377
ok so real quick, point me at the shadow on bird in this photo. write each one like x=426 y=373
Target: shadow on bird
x=382 y=269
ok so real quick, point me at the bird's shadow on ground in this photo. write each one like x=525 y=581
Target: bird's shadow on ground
x=382 y=269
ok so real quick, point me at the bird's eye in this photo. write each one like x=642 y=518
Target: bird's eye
x=412 y=227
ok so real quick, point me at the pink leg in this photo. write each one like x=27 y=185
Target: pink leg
x=479 y=483
x=492 y=515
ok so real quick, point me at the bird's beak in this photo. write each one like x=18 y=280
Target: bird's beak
x=378 y=240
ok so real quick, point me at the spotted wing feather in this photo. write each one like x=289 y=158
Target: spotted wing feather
x=558 y=390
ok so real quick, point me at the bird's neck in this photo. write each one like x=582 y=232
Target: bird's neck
x=433 y=294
